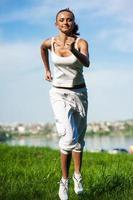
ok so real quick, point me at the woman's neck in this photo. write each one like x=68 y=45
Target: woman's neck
x=63 y=37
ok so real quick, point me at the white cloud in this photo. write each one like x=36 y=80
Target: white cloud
x=23 y=90
x=110 y=93
x=123 y=42
x=19 y=56
x=118 y=76
x=120 y=39
x=119 y=10
x=113 y=7
x=35 y=14
x=1 y=34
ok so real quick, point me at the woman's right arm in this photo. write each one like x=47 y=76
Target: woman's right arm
x=46 y=45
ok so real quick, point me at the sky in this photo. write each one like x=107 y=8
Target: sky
x=108 y=28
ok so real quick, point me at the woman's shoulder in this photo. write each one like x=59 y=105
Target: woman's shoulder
x=47 y=43
x=81 y=42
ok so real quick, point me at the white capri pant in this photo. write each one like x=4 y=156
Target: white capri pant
x=70 y=110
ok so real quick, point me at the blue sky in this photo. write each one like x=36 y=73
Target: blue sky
x=108 y=28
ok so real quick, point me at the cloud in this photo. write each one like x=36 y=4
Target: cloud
x=23 y=92
x=123 y=42
x=19 y=59
x=110 y=93
x=1 y=34
x=34 y=14
x=109 y=77
x=21 y=76
x=119 y=10
x=119 y=39
x=109 y=83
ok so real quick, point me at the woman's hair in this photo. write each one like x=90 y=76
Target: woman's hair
x=76 y=27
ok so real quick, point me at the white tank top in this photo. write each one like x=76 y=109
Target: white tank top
x=68 y=71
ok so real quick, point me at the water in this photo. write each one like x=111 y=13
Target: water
x=92 y=143
x=108 y=142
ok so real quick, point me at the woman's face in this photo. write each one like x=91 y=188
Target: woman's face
x=65 y=22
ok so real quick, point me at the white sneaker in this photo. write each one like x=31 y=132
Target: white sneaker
x=78 y=188
x=63 y=190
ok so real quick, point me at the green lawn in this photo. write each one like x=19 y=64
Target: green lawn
x=33 y=173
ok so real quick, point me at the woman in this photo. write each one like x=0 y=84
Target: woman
x=68 y=95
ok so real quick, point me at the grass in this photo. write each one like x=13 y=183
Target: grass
x=33 y=173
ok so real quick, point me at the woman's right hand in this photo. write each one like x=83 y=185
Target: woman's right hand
x=48 y=76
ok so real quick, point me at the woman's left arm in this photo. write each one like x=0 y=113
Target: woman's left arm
x=83 y=53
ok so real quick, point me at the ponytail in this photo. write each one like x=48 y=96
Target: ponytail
x=75 y=29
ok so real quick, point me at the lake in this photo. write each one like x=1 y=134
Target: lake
x=93 y=143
